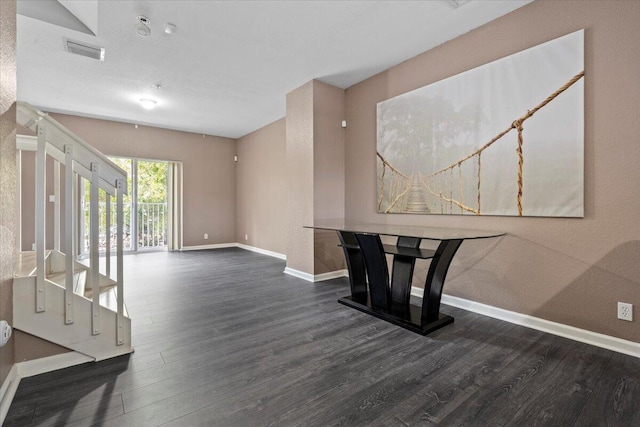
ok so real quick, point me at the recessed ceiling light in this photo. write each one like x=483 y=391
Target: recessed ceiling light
x=148 y=103
x=170 y=28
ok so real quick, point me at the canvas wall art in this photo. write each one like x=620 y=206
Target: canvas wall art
x=506 y=138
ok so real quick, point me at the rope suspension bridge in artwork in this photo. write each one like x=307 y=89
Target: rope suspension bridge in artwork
x=398 y=186
x=442 y=191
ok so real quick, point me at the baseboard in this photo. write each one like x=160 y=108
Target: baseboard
x=262 y=251
x=51 y=363
x=204 y=247
x=582 y=335
x=330 y=275
x=299 y=274
x=235 y=245
x=8 y=391
x=315 y=278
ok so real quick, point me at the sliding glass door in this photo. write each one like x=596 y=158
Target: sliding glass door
x=149 y=201
x=146 y=211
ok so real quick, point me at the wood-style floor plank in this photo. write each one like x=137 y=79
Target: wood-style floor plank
x=224 y=337
x=615 y=400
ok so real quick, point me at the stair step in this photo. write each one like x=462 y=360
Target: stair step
x=109 y=299
x=79 y=280
x=108 y=292
x=26 y=264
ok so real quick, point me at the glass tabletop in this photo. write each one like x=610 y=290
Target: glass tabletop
x=430 y=233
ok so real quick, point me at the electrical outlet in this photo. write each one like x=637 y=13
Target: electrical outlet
x=246 y=237
x=206 y=236
x=625 y=311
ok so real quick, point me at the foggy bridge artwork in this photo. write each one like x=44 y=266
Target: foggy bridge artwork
x=506 y=138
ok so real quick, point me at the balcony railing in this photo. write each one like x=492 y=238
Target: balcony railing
x=150 y=225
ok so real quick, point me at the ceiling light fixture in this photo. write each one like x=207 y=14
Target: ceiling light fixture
x=142 y=27
x=147 y=103
x=170 y=28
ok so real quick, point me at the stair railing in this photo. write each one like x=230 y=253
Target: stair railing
x=80 y=160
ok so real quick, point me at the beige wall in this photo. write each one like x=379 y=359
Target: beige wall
x=262 y=184
x=328 y=172
x=209 y=194
x=315 y=175
x=30 y=347
x=8 y=174
x=300 y=178
x=8 y=178
x=571 y=271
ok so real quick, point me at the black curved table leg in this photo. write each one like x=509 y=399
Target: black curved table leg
x=355 y=265
x=402 y=274
x=434 y=283
x=375 y=263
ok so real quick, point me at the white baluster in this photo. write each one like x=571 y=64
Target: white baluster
x=57 y=224
x=94 y=246
x=41 y=210
x=120 y=186
x=69 y=259
x=107 y=255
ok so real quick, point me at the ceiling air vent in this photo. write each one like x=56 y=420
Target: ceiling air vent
x=84 y=49
x=457 y=3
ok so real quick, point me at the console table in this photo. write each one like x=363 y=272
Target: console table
x=388 y=299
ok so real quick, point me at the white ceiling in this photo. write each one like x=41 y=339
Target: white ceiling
x=227 y=68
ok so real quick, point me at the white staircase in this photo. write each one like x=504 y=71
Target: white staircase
x=76 y=305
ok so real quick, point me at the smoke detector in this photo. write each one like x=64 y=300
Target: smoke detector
x=142 y=27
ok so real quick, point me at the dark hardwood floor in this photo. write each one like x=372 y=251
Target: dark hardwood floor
x=224 y=338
